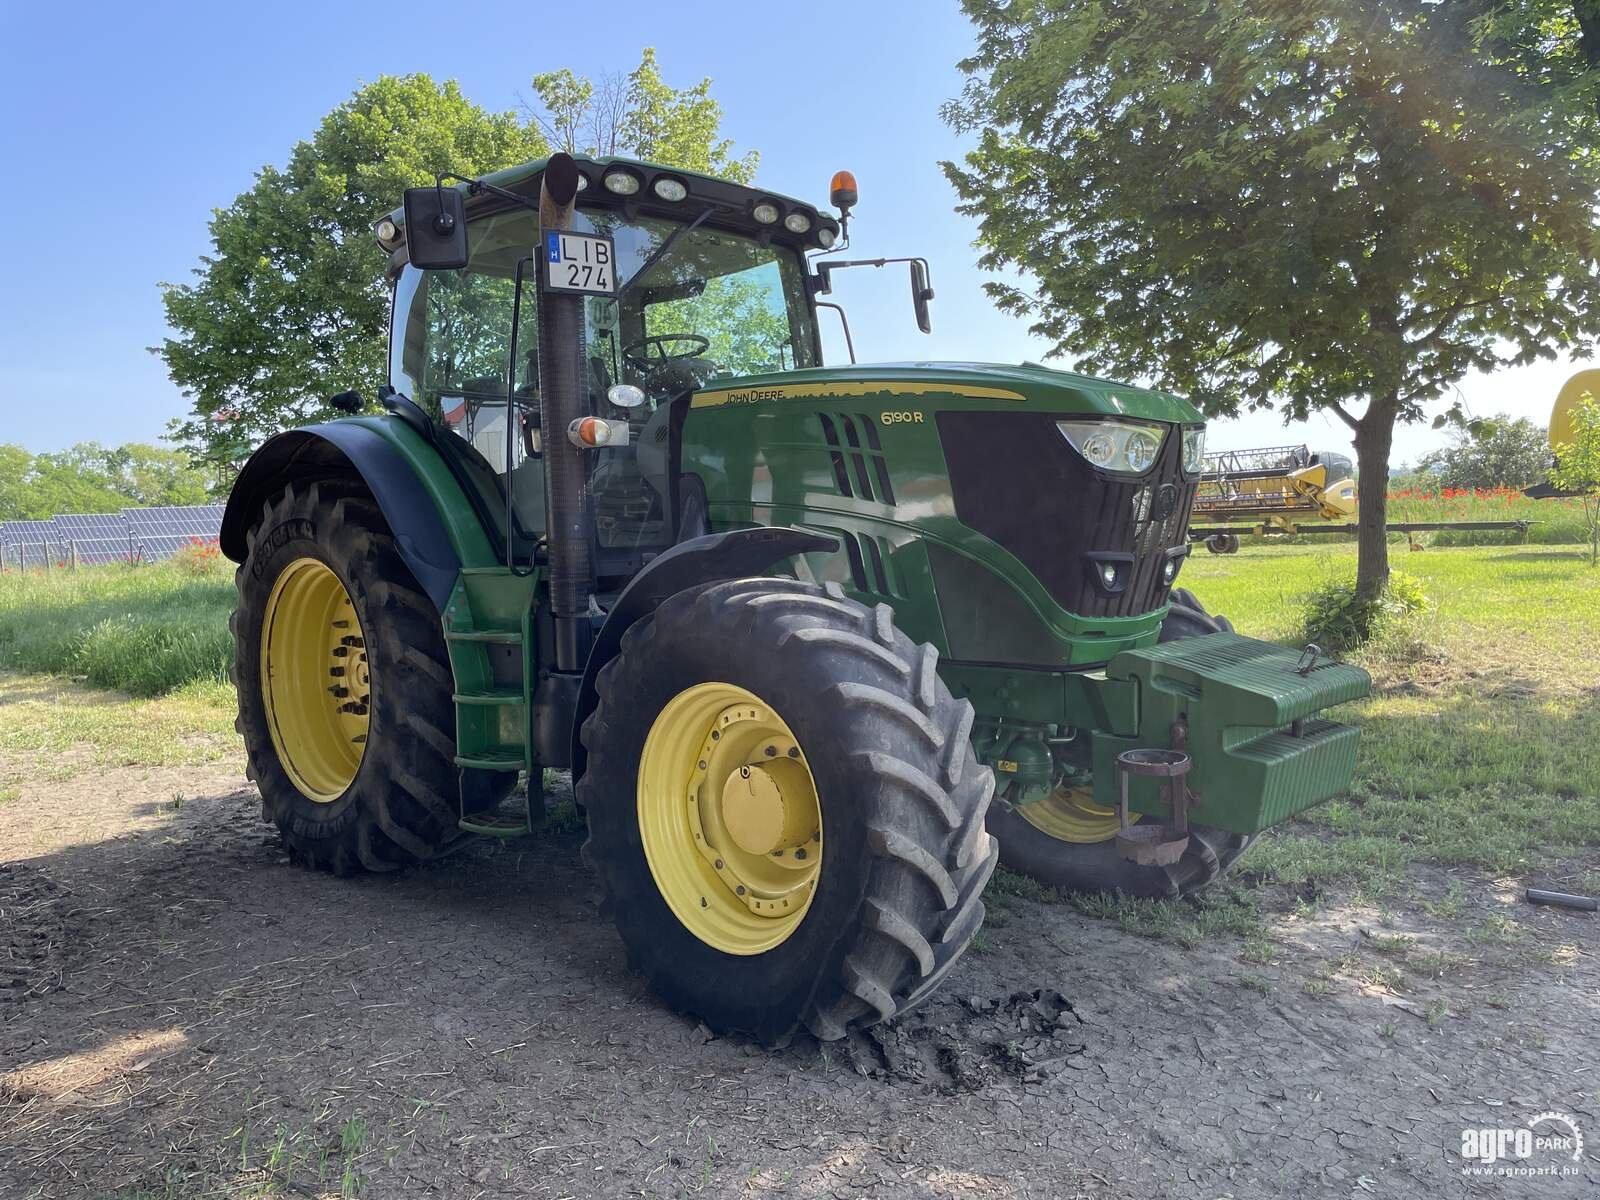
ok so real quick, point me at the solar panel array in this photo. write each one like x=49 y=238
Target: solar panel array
x=132 y=535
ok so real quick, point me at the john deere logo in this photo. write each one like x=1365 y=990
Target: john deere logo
x=1165 y=501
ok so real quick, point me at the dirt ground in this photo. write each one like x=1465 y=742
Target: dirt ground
x=182 y=1013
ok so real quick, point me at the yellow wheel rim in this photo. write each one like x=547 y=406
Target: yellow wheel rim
x=314 y=679
x=729 y=817
x=1071 y=815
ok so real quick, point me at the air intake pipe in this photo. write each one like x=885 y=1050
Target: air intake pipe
x=562 y=400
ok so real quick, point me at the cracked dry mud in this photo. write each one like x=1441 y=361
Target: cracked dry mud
x=182 y=1013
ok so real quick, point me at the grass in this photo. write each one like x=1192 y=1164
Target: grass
x=45 y=721
x=146 y=630
x=1477 y=743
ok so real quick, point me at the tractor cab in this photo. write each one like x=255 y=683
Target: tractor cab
x=708 y=280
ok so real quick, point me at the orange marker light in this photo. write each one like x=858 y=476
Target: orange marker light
x=842 y=191
x=588 y=431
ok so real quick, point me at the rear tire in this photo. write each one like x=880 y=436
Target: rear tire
x=904 y=856
x=401 y=805
x=1088 y=867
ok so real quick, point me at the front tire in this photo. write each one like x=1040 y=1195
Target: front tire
x=1067 y=841
x=865 y=761
x=344 y=685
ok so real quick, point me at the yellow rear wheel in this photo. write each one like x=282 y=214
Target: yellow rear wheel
x=314 y=680
x=729 y=818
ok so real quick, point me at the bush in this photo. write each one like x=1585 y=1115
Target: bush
x=199 y=556
x=1336 y=621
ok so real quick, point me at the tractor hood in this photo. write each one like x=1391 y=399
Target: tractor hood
x=1025 y=384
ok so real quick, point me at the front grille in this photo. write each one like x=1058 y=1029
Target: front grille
x=1017 y=481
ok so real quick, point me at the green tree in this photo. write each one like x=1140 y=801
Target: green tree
x=291 y=306
x=1330 y=204
x=1577 y=468
x=88 y=477
x=640 y=116
x=1500 y=452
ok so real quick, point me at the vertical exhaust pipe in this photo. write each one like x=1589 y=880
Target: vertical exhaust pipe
x=562 y=400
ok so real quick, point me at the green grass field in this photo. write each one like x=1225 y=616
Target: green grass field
x=1477 y=745
x=146 y=630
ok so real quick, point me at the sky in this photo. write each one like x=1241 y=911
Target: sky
x=129 y=124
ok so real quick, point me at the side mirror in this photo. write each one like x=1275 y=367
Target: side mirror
x=436 y=228
x=921 y=293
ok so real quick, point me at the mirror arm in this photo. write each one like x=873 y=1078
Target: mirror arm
x=475 y=186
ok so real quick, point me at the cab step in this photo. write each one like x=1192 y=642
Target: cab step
x=492 y=696
x=506 y=760
x=511 y=820
x=498 y=637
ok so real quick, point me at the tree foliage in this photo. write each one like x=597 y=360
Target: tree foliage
x=639 y=115
x=1498 y=453
x=1577 y=468
x=89 y=477
x=290 y=306
x=1325 y=204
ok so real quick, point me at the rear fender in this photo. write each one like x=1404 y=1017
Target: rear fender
x=711 y=558
x=436 y=531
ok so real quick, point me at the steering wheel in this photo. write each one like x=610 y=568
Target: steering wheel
x=638 y=353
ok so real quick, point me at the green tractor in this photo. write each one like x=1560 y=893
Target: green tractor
x=791 y=628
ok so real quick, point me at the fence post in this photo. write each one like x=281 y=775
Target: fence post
x=72 y=552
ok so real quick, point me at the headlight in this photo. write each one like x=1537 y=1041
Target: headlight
x=669 y=189
x=623 y=183
x=1115 y=445
x=766 y=212
x=826 y=237
x=1194 y=450
x=797 y=222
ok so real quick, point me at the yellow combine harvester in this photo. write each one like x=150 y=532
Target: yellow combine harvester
x=1563 y=428
x=1275 y=485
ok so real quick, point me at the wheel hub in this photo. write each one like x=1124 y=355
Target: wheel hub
x=752 y=809
x=315 y=680
x=744 y=814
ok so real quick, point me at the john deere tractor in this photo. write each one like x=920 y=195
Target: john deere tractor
x=791 y=628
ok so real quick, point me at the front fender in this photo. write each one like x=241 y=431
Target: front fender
x=410 y=482
x=711 y=558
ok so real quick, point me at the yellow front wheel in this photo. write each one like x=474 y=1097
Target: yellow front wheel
x=784 y=809
x=729 y=817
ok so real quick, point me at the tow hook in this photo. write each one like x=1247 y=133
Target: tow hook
x=1152 y=843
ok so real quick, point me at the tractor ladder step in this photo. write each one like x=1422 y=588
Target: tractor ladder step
x=506 y=760
x=508 y=821
x=490 y=697
x=499 y=637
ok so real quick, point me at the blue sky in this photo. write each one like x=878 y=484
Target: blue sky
x=126 y=126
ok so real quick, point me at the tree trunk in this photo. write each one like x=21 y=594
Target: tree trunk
x=1374 y=436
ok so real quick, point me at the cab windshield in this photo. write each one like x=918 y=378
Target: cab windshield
x=716 y=303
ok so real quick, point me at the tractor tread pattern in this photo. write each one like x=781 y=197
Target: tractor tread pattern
x=923 y=803
x=399 y=810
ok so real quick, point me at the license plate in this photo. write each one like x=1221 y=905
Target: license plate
x=581 y=263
